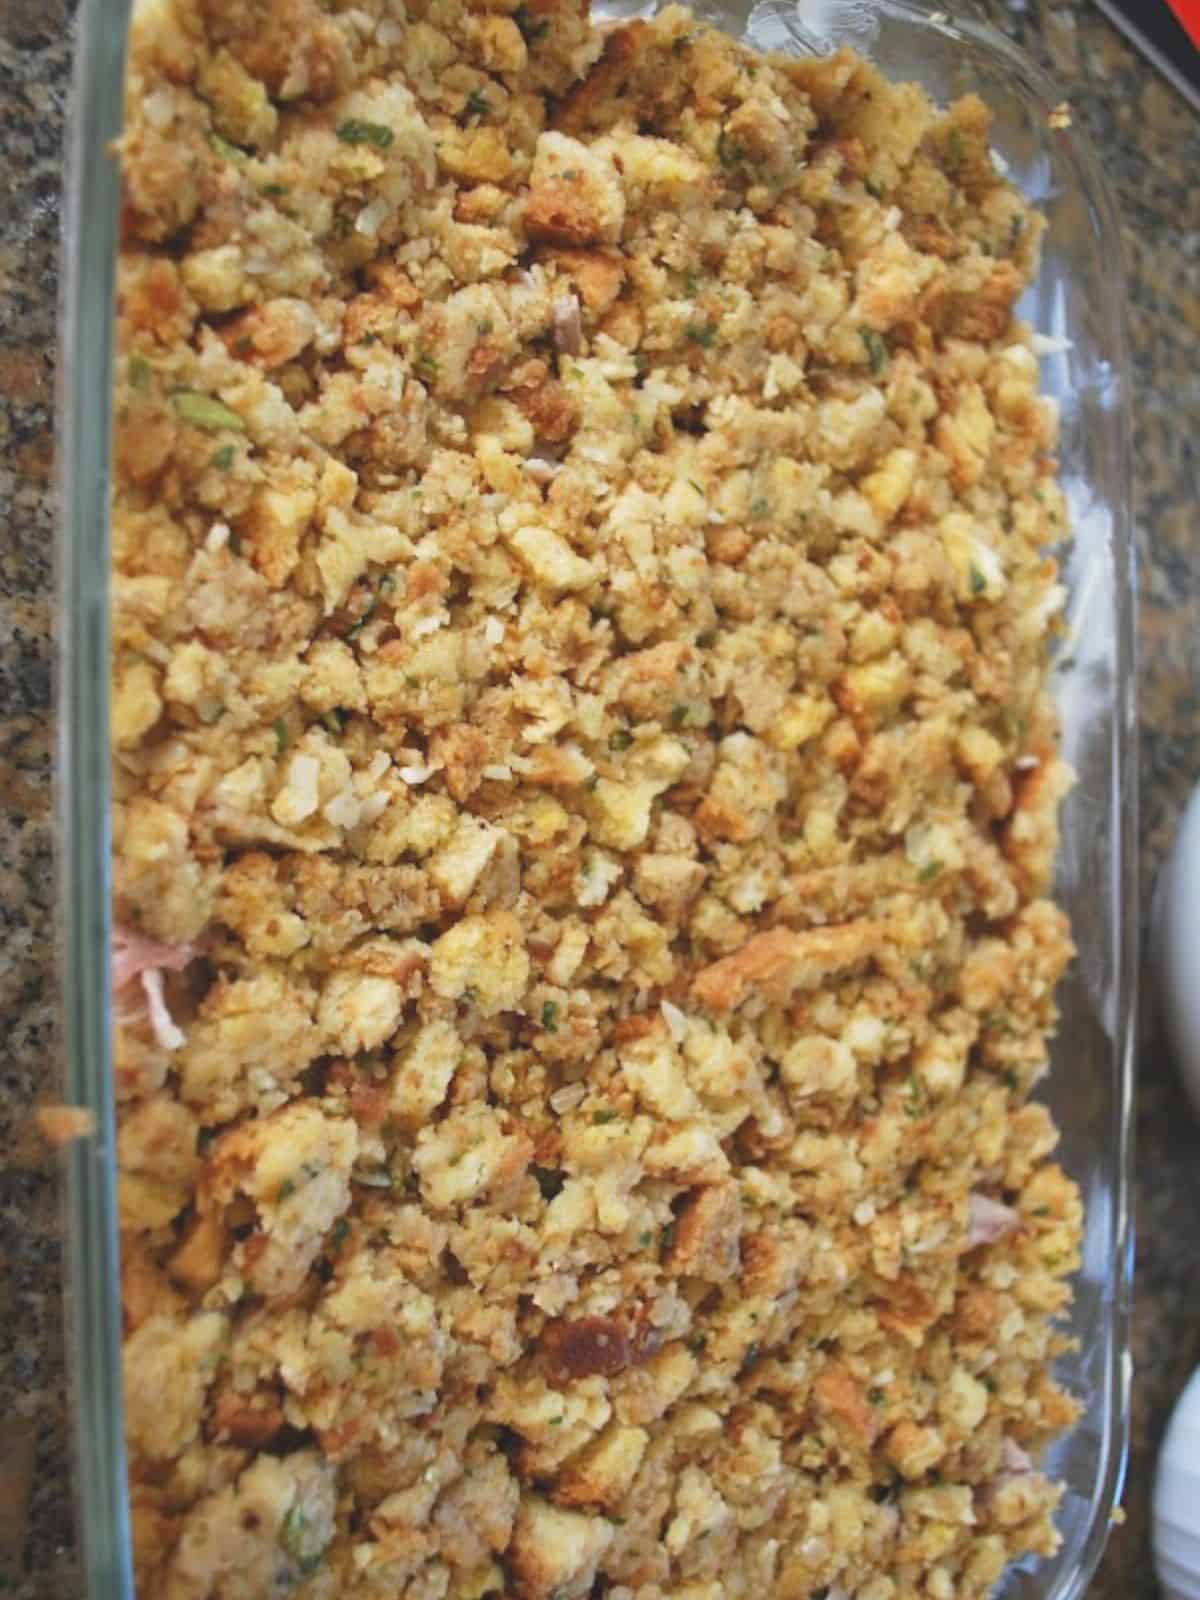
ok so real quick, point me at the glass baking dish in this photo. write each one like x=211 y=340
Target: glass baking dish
x=1077 y=305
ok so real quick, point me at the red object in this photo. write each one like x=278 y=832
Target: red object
x=1188 y=12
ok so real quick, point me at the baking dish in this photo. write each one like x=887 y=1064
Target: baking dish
x=1076 y=304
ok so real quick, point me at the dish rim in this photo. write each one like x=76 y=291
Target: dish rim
x=88 y=256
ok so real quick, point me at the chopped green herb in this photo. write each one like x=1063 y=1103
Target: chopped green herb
x=303 y=1540
x=548 y=1181
x=678 y=716
x=978 y=581
x=702 y=333
x=202 y=411
x=930 y=871
x=352 y=131
x=477 y=105
x=139 y=371
x=222 y=459
x=426 y=364
x=550 y=1016
x=235 y=544
x=706 y=639
x=282 y=737
x=484 y=328
x=644 y=1239
x=369 y=339
x=729 y=152
x=274 y=190
x=531 y=30
x=876 y=1396
x=751 y=1357
x=667 y=1240
x=386 y=585
x=684 y=42
x=601 y=1118
x=759 y=509
x=877 y=351
x=875 y=190
x=556 y=1422
x=696 y=1343
x=692 y=482
x=620 y=740
x=335 y=720
x=226 y=151
x=592 y=783
x=286 y=1188
x=1041 y=1211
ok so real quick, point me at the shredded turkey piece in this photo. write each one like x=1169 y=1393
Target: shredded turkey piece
x=585 y=803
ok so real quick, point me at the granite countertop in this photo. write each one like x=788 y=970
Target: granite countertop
x=1149 y=141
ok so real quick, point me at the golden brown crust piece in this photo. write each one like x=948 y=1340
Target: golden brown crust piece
x=584 y=798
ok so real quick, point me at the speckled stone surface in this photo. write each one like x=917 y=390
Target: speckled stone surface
x=1150 y=143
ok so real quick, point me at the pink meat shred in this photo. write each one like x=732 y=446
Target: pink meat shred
x=138 y=959
x=988 y=1220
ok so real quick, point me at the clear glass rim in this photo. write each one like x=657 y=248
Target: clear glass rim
x=1093 y=185
x=87 y=262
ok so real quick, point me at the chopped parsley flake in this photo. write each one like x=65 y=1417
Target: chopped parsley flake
x=620 y=740
x=550 y=1017
x=477 y=105
x=877 y=351
x=600 y=1118
x=729 y=152
x=303 y=1540
x=678 y=716
x=978 y=581
x=702 y=333
x=930 y=871
x=223 y=458
x=223 y=148
x=352 y=131
x=202 y=411
x=282 y=737
x=531 y=31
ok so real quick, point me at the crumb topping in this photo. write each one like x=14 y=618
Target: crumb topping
x=585 y=798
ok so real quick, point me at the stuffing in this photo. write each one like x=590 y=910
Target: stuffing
x=585 y=794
